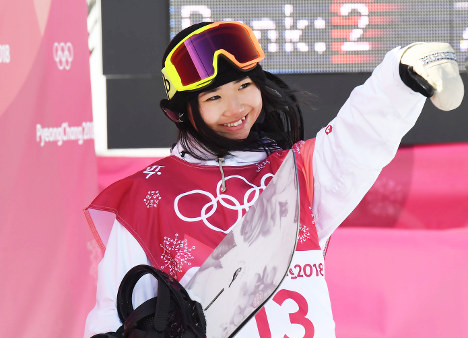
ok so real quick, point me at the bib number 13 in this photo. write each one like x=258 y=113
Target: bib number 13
x=298 y=317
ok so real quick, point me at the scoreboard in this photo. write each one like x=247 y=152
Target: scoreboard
x=319 y=36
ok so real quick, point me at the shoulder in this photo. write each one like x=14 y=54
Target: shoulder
x=304 y=147
x=154 y=168
x=303 y=152
x=138 y=180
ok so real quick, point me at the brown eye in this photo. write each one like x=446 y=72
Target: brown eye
x=245 y=85
x=213 y=98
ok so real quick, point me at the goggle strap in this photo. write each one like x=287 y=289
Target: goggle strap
x=168 y=85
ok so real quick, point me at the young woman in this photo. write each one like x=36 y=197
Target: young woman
x=236 y=124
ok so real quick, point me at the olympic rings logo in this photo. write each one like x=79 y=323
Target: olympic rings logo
x=223 y=200
x=63 y=55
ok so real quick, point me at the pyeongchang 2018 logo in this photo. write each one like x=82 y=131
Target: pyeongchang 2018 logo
x=64 y=133
x=63 y=55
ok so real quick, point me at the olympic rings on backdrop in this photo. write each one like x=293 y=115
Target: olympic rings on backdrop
x=223 y=200
x=63 y=55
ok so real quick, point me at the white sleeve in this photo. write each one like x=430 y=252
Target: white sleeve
x=363 y=138
x=122 y=253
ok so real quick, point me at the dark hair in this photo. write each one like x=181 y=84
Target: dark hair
x=278 y=126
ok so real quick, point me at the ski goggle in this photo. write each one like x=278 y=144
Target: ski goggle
x=193 y=62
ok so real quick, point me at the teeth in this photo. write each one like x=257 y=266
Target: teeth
x=235 y=123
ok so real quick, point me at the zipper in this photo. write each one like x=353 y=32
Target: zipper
x=223 y=183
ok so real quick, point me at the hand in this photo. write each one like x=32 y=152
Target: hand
x=431 y=69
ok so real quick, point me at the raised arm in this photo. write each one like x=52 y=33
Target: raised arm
x=365 y=135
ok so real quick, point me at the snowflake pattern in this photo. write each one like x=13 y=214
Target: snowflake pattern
x=175 y=254
x=152 y=198
x=304 y=233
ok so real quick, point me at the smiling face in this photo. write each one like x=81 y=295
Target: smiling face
x=231 y=109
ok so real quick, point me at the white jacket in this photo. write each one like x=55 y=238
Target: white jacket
x=349 y=155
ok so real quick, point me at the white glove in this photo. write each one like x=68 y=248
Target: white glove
x=436 y=63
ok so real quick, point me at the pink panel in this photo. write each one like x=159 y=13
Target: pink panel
x=398 y=283
x=49 y=174
x=424 y=187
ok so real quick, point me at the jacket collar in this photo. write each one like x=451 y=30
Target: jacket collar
x=237 y=158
